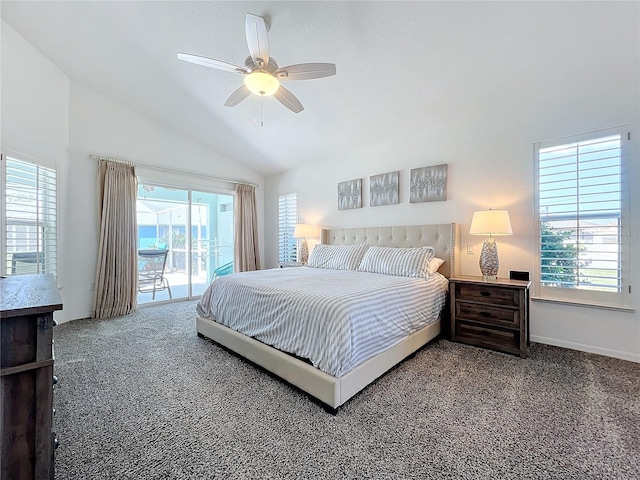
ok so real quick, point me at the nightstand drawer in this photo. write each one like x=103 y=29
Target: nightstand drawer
x=484 y=336
x=488 y=294
x=507 y=317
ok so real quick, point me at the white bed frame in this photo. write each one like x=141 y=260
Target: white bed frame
x=334 y=391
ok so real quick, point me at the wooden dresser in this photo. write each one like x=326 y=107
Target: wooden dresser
x=491 y=314
x=27 y=303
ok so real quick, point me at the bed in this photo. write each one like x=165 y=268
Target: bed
x=333 y=361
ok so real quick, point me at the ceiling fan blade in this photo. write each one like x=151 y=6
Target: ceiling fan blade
x=257 y=40
x=210 y=62
x=288 y=99
x=236 y=97
x=306 y=71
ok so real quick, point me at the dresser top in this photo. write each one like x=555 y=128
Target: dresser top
x=28 y=295
x=500 y=281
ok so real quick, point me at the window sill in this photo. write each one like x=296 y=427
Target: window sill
x=582 y=304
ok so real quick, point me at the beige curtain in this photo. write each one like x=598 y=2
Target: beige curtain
x=117 y=272
x=245 y=255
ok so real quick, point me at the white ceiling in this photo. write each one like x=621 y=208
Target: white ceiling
x=401 y=67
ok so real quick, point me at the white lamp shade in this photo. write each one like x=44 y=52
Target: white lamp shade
x=490 y=222
x=304 y=230
x=261 y=83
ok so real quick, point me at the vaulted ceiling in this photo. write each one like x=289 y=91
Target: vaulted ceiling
x=402 y=67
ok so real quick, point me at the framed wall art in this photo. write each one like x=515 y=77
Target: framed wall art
x=350 y=194
x=383 y=189
x=428 y=184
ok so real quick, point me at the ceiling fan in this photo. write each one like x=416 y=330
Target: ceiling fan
x=262 y=75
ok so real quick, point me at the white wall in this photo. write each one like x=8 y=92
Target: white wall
x=35 y=101
x=46 y=115
x=488 y=147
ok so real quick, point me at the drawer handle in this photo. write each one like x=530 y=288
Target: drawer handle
x=485 y=294
x=485 y=314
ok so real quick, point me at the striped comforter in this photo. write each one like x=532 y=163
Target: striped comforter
x=335 y=318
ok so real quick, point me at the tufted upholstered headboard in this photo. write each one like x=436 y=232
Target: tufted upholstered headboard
x=444 y=238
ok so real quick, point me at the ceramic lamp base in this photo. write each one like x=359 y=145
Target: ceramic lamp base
x=304 y=252
x=489 y=259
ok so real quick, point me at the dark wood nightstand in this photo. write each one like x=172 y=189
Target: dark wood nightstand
x=491 y=314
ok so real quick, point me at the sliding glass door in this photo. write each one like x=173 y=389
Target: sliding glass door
x=196 y=230
x=212 y=241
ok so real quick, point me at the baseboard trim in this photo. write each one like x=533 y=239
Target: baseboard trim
x=632 y=357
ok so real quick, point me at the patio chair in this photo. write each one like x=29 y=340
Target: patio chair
x=27 y=262
x=225 y=269
x=151 y=266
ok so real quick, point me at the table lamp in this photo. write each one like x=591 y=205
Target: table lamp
x=303 y=230
x=491 y=223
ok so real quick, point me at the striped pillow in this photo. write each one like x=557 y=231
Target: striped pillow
x=403 y=262
x=337 y=257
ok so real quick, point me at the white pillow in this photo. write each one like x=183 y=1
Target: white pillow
x=404 y=262
x=337 y=257
x=434 y=265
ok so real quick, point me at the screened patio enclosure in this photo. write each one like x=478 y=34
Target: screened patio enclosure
x=196 y=229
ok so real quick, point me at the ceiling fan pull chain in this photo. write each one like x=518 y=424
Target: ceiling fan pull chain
x=260 y=113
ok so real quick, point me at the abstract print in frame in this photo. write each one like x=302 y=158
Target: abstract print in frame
x=428 y=184
x=383 y=189
x=350 y=194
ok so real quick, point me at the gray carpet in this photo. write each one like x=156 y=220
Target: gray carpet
x=143 y=397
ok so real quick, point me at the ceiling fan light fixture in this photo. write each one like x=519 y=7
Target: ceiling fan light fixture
x=261 y=83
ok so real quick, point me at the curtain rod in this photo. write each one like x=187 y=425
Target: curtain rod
x=175 y=170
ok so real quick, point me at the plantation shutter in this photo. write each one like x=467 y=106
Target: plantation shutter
x=287 y=219
x=30 y=233
x=580 y=208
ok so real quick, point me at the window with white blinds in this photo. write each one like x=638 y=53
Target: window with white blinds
x=287 y=219
x=29 y=217
x=581 y=205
